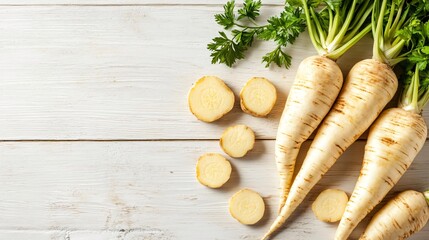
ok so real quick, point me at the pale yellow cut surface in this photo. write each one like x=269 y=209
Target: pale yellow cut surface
x=258 y=97
x=329 y=206
x=210 y=98
x=247 y=206
x=237 y=140
x=213 y=170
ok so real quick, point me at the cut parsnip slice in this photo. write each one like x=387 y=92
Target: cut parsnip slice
x=329 y=206
x=213 y=170
x=247 y=206
x=237 y=140
x=210 y=98
x=258 y=97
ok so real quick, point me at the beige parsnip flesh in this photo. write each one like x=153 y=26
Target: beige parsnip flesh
x=393 y=142
x=258 y=97
x=369 y=86
x=247 y=207
x=404 y=215
x=237 y=140
x=329 y=206
x=213 y=170
x=316 y=86
x=210 y=98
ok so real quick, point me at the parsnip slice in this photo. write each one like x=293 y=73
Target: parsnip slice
x=237 y=140
x=258 y=97
x=329 y=206
x=247 y=206
x=210 y=98
x=213 y=170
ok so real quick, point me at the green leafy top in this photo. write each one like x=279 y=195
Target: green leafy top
x=394 y=26
x=335 y=26
x=415 y=93
x=282 y=29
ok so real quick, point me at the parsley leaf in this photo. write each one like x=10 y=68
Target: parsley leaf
x=227 y=19
x=250 y=9
x=225 y=50
x=278 y=57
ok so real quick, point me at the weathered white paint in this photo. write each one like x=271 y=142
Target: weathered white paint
x=149 y=190
x=123 y=72
x=32 y=234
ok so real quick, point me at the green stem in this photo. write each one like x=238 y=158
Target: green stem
x=341 y=50
x=337 y=40
x=331 y=19
x=335 y=24
x=311 y=30
x=322 y=35
x=427 y=196
x=242 y=26
x=410 y=103
x=389 y=22
x=395 y=26
x=358 y=26
x=378 y=34
x=395 y=50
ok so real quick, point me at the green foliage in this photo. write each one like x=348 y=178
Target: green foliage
x=282 y=29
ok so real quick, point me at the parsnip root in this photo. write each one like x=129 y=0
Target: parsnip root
x=247 y=207
x=258 y=97
x=329 y=206
x=213 y=170
x=210 y=99
x=237 y=140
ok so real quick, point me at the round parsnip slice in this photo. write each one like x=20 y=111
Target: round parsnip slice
x=247 y=206
x=258 y=97
x=237 y=140
x=329 y=206
x=210 y=98
x=213 y=170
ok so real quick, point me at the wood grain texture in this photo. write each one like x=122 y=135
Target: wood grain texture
x=124 y=2
x=123 y=72
x=33 y=235
x=149 y=190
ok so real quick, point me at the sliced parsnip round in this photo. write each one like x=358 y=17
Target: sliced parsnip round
x=329 y=206
x=210 y=98
x=247 y=206
x=258 y=97
x=237 y=140
x=213 y=170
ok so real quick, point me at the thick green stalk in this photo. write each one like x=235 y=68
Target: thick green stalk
x=357 y=26
x=333 y=31
x=389 y=22
x=395 y=50
x=341 y=50
x=339 y=37
x=378 y=34
x=322 y=36
x=311 y=30
x=410 y=101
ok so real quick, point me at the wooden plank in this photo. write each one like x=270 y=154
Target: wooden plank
x=149 y=190
x=71 y=72
x=124 y=2
x=33 y=235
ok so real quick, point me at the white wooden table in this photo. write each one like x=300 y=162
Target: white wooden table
x=96 y=138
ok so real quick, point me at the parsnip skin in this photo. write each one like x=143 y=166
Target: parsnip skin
x=210 y=99
x=316 y=86
x=401 y=217
x=258 y=97
x=394 y=141
x=247 y=207
x=329 y=206
x=237 y=140
x=369 y=86
x=213 y=170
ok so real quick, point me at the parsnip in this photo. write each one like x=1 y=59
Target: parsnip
x=237 y=140
x=401 y=217
x=247 y=207
x=329 y=205
x=210 y=98
x=213 y=170
x=258 y=97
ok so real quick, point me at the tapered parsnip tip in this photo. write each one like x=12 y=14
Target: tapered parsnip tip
x=258 y=97
x=237 y=140
x=247 y=206
x=213 y=170
x=210 y=98
x=329 y=206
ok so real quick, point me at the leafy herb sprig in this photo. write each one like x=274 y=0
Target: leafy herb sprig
x=282 y=29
